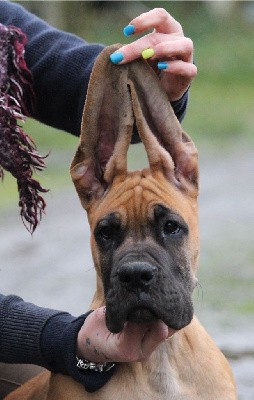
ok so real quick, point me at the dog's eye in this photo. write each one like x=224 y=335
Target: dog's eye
x=107 y=232
x=171 y=228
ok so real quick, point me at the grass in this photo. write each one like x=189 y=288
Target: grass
x=226 y=276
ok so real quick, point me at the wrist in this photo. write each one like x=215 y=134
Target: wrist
x=58 y=342
x=88 y=342
x=84 y=365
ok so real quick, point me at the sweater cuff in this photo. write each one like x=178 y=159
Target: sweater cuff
x=21 y=326
x=180 y=106
x=58 y=344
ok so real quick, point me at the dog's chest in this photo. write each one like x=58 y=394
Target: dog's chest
x=153 y=380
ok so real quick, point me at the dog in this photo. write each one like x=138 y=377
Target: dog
x=144 y=240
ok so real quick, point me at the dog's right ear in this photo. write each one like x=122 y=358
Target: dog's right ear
x=107 y=125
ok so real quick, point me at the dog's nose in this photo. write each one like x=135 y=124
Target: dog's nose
x=136 y=274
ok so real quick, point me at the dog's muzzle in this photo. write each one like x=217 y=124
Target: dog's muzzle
x=141 y=292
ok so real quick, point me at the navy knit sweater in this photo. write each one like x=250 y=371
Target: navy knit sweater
x=61 y=64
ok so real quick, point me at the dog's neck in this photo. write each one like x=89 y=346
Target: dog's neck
x=161 y=373
x=98 y=298
x=163 y=376
x=169 y=372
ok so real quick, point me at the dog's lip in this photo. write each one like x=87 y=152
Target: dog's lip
x=144 y=307
x=141 y=314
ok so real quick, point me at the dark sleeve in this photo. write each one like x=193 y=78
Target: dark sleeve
x=34 y=335
x=180 y=106
x=21 y=325
x=61 y=64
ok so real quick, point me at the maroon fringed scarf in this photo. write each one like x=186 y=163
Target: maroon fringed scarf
x=18 y=153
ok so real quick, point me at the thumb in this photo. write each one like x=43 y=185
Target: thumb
x=157 y=333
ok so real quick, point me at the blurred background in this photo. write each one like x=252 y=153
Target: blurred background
x=54 y=267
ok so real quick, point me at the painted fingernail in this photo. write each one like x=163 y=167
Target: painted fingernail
x=117 y=57
x=129 y=30
x=147 y=53
x=163 y=65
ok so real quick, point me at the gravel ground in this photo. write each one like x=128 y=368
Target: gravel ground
x=54 y=267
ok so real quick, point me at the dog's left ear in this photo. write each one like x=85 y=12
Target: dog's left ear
x=168 y=147
x=106 y=130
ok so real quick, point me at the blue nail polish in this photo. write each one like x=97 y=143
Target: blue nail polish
x=129 y=30
x=116 y=57
x=163 y=65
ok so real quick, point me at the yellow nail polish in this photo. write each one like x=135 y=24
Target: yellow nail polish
x=147 y=53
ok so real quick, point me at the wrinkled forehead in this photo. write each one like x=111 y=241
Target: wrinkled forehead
x=133 y=199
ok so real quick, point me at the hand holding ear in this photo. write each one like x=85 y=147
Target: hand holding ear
x=135 y=342
x=168 y=51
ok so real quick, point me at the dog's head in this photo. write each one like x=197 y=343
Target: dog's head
x=144 y=224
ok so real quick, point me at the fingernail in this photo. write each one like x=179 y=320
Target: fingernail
x=163 y=65
x=129 y=30
x=116 y=57
x=147 y=53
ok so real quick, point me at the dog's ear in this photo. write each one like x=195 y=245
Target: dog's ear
x=168 y=147
x=114 y=92
x=106 y=129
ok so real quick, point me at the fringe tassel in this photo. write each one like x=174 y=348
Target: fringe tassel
x=18 y=152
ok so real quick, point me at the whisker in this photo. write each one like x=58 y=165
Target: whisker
x=199 y=287
x=89 y=269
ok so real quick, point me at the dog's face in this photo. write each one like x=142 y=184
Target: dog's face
x=145 y=247
x=144 y=224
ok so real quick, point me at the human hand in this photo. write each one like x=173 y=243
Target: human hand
x=166 y=44
x=135 y=342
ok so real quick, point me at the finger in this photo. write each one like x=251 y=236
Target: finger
x=152 y=41
x=128 y=342
x=134 y=50
x=157 y=18
x=179 y=67
x=154 y=336
x=171 y=333
x=159 y=45
x=181 y=49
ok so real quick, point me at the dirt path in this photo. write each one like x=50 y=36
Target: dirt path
x=54 y=268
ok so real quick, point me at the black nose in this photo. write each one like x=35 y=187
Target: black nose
x=136 y=274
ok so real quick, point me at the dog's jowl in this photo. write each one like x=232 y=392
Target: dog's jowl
x=144 y=240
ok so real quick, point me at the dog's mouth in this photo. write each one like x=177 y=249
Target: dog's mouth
x=115 y=321
x=141 y=315
x=175 y=316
